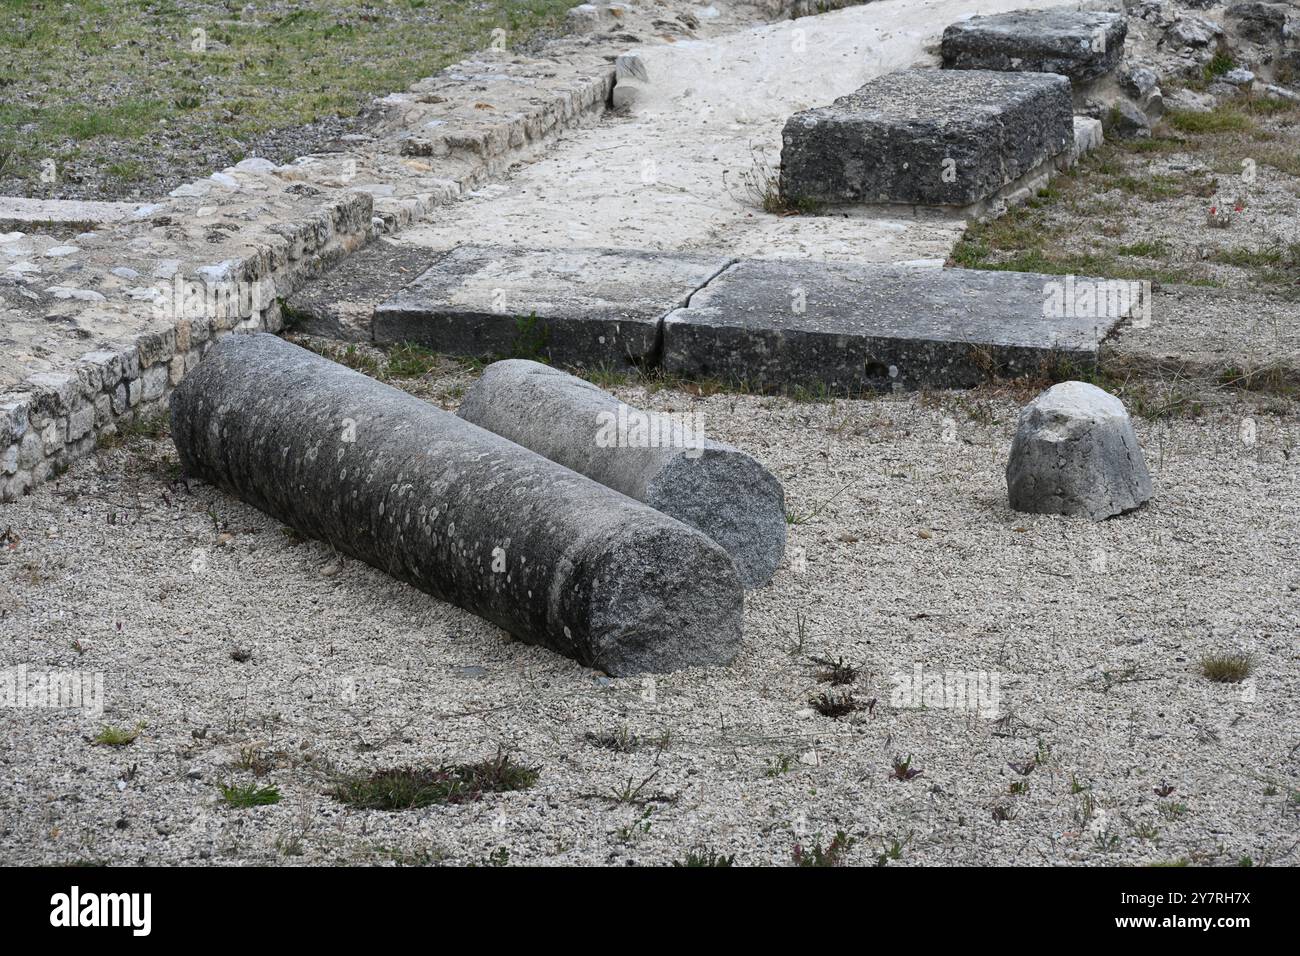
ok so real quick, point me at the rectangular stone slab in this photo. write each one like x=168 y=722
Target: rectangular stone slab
x=781 y=324
x=927 y=137
x=571 y=306
x=341 y=303
x=1082 y=45
x=17 y=212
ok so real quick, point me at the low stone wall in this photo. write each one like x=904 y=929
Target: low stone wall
x=277 y=226
x=58 y=414
x=54 y=417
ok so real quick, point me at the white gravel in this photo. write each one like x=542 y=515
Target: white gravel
x=1094 y=633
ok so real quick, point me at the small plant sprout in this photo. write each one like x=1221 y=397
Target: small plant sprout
x=903 y=769
x=705 y=856
x=893 y=850
x=1173 y=811
x=836 y=672
x=832 y=854
x=631 y=792
x=835 y=705
x=249 y=795
x=779 y=765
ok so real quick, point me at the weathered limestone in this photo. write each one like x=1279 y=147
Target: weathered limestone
x=849 y=328
x=341 y=304
x=1265 y=22
x=1075 y=453
x=549 y=555
x=927 y=137
x=17 y=212
x=1078 y=44
x=572 y=306
x=664 y=461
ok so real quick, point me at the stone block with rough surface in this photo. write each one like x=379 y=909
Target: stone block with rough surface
x=1082 y=45
x=341 y=304
x=1075 y=453
x=779 y=324
x=572 y=306
x=543 y=552
x=665 y=461
x=927 y=137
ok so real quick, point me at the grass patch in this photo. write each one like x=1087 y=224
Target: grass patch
x=1283 y=160
x=760 y=186
x=1222 y=119
x=1244 y=258
x=249 y=795
x=1067 y=232
x=532 y=336
x=140 y=428
x=109 y=736
x=258 y=69
x=1230 y=667
x=1155 y=144
x=1220 y=64
x=409 y=788
x=411 y=361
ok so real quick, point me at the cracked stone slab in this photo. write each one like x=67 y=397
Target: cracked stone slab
x=341 y=304
x=781 y=324
x=1082 y=45
x=927 y=137
x=573 y=306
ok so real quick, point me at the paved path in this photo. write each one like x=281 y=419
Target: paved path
x=670 y=176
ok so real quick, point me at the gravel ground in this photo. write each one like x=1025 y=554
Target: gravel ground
x=247 y=656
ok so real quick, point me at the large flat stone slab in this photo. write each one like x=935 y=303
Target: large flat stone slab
x=927 y=137
x=17 y=212
x=570 y=306
x=782 y=324
x=1081 y=45
x=341 y=304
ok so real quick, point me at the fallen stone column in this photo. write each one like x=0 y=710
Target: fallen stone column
x=667 y=463
x=547 y=554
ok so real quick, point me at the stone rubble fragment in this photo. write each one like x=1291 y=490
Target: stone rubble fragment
x=1075 y=453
